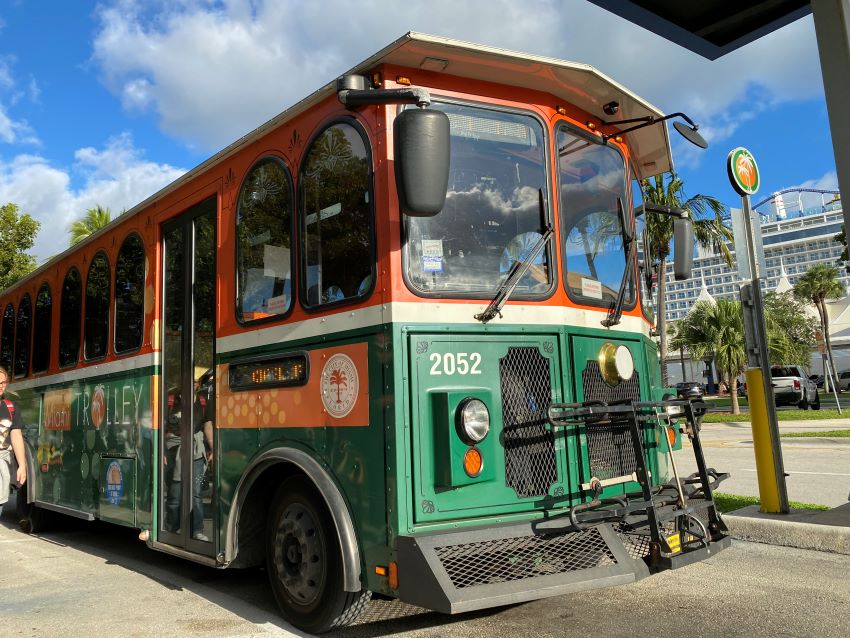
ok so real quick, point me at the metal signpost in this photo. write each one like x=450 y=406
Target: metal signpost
x=744 y=177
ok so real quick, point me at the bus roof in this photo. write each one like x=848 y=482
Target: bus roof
x=578 y=84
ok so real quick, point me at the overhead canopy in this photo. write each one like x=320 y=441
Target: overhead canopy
x=711 y=28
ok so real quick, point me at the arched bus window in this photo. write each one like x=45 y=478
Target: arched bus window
x=23 y=332
x=41 y=330
x=129 y=295
x=97 y=308
x=7 y=340
x=336 y=220
x=264 y=242
x=70 y=313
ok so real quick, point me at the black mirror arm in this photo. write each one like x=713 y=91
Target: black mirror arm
x=648 y=120
x=354 y=91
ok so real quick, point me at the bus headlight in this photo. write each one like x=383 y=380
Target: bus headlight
x=472 y=420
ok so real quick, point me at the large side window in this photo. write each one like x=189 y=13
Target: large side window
x=336 y=220
x=41 y=326
x=129 y=295
x=70 y=313
x=97 y=308
x=7 y=340
x=264 y=242
x=23 y=333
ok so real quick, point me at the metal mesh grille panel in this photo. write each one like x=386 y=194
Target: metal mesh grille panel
x=509 y=559
x=530 y=467
x=636 y=544
x=595 y=388
x=609 y=443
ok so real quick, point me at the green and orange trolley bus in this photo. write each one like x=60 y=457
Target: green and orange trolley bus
x=395 y=340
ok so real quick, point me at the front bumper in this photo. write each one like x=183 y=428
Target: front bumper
x=600 y=543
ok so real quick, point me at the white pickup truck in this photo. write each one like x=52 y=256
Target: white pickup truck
x=792 y=386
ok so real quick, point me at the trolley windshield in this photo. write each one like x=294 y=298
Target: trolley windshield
x=592 y=183
x=493 y=213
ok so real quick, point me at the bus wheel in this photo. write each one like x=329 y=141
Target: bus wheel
x=31 y=518
x=304 y=561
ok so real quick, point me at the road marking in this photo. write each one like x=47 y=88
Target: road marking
x=813 y=473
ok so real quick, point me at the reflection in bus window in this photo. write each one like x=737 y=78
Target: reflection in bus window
x=264 y=257
x=336 y=218
x=129 y=295
x=7 y=340
x=70 y=310
x=592 y=182
x=97 y=308
x=492 y=214
x=41 y=327
x=23 y=332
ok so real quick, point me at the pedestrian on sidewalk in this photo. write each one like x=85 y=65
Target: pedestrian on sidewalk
x=11 y=437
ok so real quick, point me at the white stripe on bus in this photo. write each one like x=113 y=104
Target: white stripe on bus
x=421 y=312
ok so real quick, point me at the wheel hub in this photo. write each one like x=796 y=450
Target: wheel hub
x=299 y=554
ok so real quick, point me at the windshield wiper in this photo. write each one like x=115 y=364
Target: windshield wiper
x=616 y=311
x=518 y=269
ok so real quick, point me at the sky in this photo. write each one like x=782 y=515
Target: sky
x=104 y=103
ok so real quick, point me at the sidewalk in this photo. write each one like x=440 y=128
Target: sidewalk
x=827 y=531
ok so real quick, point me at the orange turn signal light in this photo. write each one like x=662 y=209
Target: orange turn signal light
x=671 y=436
x=473 y=462
x=392 y=579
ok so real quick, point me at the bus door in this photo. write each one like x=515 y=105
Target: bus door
x=186 y=490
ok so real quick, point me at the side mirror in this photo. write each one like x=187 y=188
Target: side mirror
x=683 y=248
x=422 y=145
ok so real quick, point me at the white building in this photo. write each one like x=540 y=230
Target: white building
x=798 y=229
x=796 y=233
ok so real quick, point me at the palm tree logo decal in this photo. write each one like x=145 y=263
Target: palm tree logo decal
x=338 y=379
x=340 y=385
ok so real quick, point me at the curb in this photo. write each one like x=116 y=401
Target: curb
x=822 y=538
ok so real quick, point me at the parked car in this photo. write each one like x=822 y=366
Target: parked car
x=689 y=390
x=818 y=379
x=792 y=386
x=844 y=380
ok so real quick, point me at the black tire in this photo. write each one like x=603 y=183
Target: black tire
x=304 y=561
x=804 y=403
x=32 y=518
x=816 y=404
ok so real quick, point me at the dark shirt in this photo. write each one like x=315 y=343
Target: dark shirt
x=16 y=423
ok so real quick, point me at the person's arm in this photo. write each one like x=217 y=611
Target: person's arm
x=208 y=438
x=20 y=455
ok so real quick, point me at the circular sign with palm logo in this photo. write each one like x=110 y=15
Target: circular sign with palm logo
x=743 y=171
x=339 y=385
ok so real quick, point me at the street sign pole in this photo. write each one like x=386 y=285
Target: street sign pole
x=743 y=174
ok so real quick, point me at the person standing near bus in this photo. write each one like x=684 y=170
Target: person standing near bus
x=11 y=436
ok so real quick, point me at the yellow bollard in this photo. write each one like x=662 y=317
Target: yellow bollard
x=765 y=464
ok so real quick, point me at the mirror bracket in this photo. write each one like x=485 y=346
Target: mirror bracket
x=353 y=91
x=688 y=132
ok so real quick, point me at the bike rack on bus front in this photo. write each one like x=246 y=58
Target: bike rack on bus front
x=677 y=522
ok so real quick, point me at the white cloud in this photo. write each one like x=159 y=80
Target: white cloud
x=827 y=182
x=116 y=177
x=213 y=70
x=12 y=131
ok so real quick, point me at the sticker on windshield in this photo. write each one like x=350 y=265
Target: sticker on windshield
x=591 y=288
x=432 y=255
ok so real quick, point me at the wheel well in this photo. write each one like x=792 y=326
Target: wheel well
x=255 y=511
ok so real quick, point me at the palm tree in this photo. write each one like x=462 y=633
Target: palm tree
x=716 y=330
x=709 y=230
x=94 y=219
x=817 y=284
